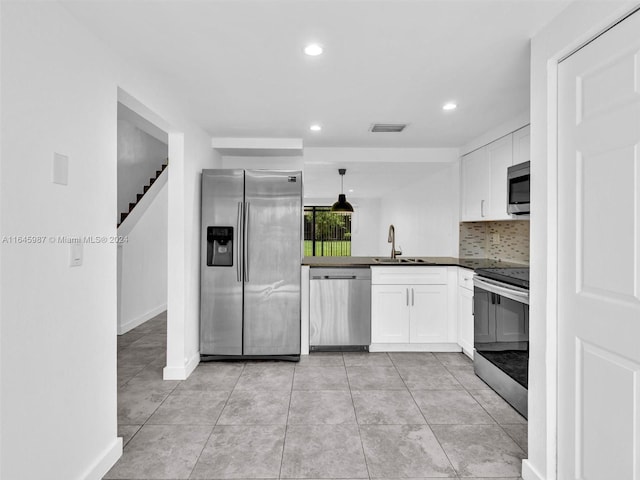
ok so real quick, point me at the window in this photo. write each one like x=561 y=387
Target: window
x=326 y=234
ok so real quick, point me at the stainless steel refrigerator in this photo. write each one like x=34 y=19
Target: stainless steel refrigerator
x=251 y=254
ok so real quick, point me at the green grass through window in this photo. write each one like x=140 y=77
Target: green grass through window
x=328 y=248
x=328 y=232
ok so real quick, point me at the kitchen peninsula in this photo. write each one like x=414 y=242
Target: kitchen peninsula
x=470 y=263
x=422 y=304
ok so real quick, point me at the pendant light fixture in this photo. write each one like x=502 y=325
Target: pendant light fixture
x=342 y=206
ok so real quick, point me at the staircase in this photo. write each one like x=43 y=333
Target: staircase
x=139 y=196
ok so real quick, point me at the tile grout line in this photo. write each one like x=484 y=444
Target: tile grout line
x=216 y=422
x=396 y=366
x=486 y=411
x=355 y=413
x=425 y=418
x=473 y=396
x=286 y=423
x=128 y=382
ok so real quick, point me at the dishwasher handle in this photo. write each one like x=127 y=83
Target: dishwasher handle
x=334 y=277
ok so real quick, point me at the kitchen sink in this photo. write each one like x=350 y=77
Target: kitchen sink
x=401 y=261
x=390 y=260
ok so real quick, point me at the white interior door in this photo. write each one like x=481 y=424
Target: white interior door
x=599 y=258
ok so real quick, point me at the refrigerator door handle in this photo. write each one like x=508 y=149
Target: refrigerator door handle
x=238 y=243
x=246 y=242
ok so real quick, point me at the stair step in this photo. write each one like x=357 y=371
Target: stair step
x=145 y=189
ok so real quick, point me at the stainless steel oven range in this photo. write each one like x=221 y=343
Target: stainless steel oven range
x=501 y=332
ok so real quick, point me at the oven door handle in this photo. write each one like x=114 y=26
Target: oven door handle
x=507 y=291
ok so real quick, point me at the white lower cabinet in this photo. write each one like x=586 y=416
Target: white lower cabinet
x=411 y=307
x=390 y=314
x=429 y=318
x=465 y=310
x=409 y=314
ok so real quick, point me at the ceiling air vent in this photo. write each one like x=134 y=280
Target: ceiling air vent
x=388 y=127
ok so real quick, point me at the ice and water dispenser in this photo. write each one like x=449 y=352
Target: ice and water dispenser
x=219 y=246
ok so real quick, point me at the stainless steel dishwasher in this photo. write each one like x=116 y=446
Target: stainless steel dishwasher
x=340 y=309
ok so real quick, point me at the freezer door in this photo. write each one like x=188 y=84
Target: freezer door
x=221 y=281
x=273 y=244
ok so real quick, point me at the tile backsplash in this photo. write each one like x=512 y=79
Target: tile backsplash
x=507 y=240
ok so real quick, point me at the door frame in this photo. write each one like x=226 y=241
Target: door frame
x=550 y=244
x=175 y=368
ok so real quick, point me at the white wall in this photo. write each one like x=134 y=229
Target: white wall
x=58 y=330
x=415 y=189
x=58 y=323
x=579 y=22
x=425 y=214
x=258 y=162
x=142 y=285
x=342 y=155
x=183 y=356
x=365 y=226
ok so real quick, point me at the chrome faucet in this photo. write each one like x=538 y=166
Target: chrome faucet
x=392 y=241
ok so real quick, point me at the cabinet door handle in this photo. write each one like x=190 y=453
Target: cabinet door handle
x=482 y=208
x=412 y=298
x=407 y=290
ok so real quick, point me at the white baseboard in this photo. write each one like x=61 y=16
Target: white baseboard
x=181 y=372
x=414 y=347
x=131 y=324
x=530 y=473
x=107 y=460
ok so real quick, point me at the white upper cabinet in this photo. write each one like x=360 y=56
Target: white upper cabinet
x=500 y=155
x=484 y=176
x=476 y=185
x=521 y=145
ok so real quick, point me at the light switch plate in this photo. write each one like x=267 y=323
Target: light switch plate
x=60 y=171
x=496 y=239
x=75 y=254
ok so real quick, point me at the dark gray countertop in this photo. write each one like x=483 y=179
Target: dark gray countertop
x=472 y=263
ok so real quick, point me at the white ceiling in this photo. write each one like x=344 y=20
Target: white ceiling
x=239 y=66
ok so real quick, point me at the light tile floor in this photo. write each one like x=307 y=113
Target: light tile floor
x=333 y=415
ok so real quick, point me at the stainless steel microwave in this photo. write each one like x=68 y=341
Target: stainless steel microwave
x=519 y=189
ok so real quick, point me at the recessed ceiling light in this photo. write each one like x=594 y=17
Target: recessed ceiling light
x=313 y=50
x=315 y=127
x=351 y=190
x=449 y=106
